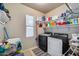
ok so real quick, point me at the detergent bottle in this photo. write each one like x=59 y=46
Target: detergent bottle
x=78 y=20
x=75 y=21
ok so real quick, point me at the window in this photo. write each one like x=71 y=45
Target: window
x=29 y=26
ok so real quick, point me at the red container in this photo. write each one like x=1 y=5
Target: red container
x=48 y=18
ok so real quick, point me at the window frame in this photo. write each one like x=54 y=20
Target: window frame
x=30 y=26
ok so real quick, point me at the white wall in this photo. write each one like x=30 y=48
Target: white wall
x=57 y=11
x=16 y=27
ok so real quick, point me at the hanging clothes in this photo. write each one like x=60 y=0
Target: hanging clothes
x=3 y=17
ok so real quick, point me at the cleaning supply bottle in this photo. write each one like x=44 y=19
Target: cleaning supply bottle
x=78 y=20
x=75 y=21
x=49 y=25
x=71 y=21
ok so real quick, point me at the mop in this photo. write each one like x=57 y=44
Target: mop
x=6 y=33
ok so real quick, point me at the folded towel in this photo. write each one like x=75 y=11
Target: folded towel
x=14 y=40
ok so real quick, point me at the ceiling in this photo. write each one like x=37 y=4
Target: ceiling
x=43 y=7
x=74 y=7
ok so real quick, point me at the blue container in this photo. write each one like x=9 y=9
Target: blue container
x=75 y=21
x=2 y=49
